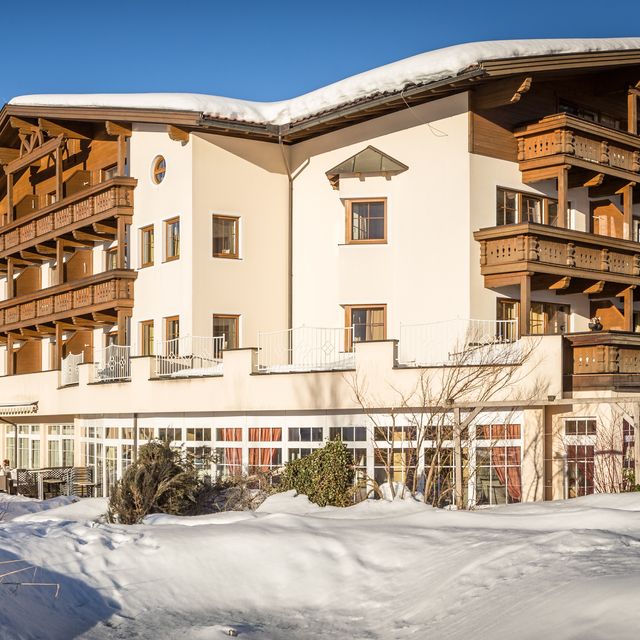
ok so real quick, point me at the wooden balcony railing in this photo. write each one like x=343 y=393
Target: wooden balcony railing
x=96 y=293
x=92 y=205
x=538 y=248
x=602 y=360
x=564 y=139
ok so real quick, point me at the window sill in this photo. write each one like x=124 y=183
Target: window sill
x=369 y=243
x=225 y=257
x=171 y=259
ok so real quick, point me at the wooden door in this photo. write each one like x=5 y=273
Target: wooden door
x=607 y=219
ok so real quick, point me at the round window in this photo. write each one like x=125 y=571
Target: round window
x=159 y=169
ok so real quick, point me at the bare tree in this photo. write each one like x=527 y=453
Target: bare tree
x=435 y=413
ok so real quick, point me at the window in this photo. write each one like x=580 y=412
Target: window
x=146 y=246
x=264 y=459
x=580 y=427
x=225 y=237
x=366 y=221
x=146 y=338
x=229 y=435
x=544 y=317
x=265 y=434
x=368 y=323
x=229 y=461
x=513 y=207
x=199 y=434
x=158 y=169
x=172 y=239
x=305 y=434
x=226 y=327
x=498 y=475
x=111 y=259
x=170 y=434
x=589 y=114
x=172 y=328
x=108 y=173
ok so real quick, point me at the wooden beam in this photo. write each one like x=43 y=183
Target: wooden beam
x=177 y=134
x=34 y=156
x=627 y=298
x=101 y=227
x=10 y=282
x=610 y=187
x=122 y=327
x=9 y=364
x=33 y=257
x=627 y=210
x=563 y=187
x=23 y=125
x=45 y=329
x=522 y=89
x=59 y=261
x=59 y=175
x=525 y=304
x=104 y=318
x=29 y=333
x=117 y=128
x=7 y=155
x=121 y=238
x=563 y=283
x=596 y=287
x=632 y=111
x=75 y=130
x=59 y=346
x=45 y=249
x=88 y=237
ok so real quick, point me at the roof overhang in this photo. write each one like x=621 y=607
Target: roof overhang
x=19 y=409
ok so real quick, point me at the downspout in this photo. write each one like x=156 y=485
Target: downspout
x=290 y=233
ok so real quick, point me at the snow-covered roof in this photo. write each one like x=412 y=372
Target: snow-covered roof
x=421 y=69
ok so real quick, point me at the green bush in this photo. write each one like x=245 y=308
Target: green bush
x=161 y=480
x=325 y=476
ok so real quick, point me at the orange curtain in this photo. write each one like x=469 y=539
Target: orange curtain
x=506 y=462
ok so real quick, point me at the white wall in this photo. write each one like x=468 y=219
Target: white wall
x=428 y=221
x=163 y=289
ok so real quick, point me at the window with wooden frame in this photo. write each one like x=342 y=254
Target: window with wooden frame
x=146 y=246
x=544 y=317
x=146 y=338
x=226 y=326
x=158 y=169
x=365 y=323
x=172 y=239
x=172 y=328
x=111 y=259
x=108 y=173
x=225 y=236
x=366 y=221
x=513 y=207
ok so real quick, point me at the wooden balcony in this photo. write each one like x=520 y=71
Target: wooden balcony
x=82 y=218
x=554 y=251
x=602 y=360
x=91 y=301
x=564 y=140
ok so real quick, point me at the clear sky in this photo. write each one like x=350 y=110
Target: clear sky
x=261 y=50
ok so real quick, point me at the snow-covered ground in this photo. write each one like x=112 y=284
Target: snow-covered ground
x=293 y=570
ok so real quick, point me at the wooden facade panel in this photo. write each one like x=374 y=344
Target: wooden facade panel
x=28 y=281
x=28 y=357
x=79 y=266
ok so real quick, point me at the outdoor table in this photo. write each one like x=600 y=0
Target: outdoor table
x=53 y=484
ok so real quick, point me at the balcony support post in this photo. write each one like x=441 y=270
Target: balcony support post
x=632 y=111
x=627 y=298
x=122 y=326
x=9 y=197
x=563 y=188
x=525 y=304
x=122 y=150
x=59 y=183
x=627 y=208
x=636 y=427
x=59 y=346
x=9 y=368
x=10 y=282
x=120 y=238
x=59 y=261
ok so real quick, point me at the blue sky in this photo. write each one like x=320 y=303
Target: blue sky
x=260 y=50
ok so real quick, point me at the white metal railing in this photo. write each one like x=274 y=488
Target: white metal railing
x=457 y=342
x=306 y=349
x=69 y=372
x=189 y=356
x=112 y=363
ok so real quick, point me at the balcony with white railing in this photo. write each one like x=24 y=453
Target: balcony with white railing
x=305 y=349
x=458 y=342
x=70 y=371
x=112 y=364
x=189 y=356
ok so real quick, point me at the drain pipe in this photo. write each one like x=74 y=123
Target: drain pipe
x=290 y=231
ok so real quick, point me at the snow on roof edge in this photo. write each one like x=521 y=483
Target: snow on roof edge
x=420 y=69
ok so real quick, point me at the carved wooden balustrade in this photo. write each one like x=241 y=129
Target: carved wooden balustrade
x=93 y=205
x=564 y=139
x=602 y=360
x=97 y=293
x=537 y=248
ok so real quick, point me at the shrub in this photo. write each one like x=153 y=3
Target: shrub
x=161 y=480
x=325 y=476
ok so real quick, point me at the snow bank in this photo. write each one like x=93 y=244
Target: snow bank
x=377 y=570
x=14 y=507
x=85 y=509
x=417 y=70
